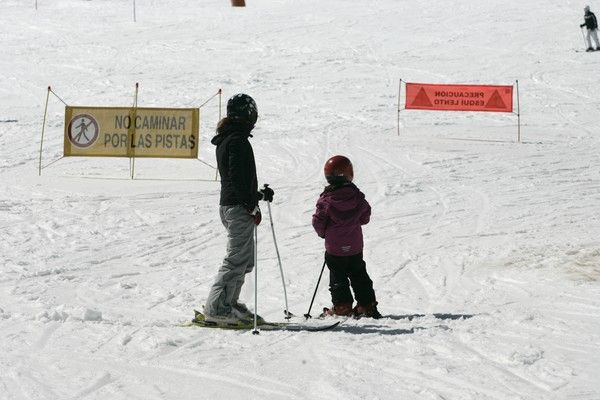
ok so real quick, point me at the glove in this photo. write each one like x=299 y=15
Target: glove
x=267 y=193
x=257 y=218
x=256 y=215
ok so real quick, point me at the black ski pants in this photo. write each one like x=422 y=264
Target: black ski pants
x=346 y=271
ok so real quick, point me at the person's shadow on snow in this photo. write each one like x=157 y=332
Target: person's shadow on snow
x=440 y=316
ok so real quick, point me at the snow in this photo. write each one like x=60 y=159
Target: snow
x=97 y=270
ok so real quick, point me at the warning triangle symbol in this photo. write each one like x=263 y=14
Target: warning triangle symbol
x=421 y=100
x=495 y=101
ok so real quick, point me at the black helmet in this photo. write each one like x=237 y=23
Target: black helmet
x=242 y=107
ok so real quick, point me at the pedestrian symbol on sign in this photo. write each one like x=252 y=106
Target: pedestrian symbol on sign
x=83 y=130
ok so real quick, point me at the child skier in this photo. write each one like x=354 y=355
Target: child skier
x=341 y=211
x=592 y=29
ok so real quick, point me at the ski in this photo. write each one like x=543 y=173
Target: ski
x=263 y=325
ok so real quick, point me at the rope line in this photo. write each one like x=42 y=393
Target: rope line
x=211 y=97
x=205 y=163
x=58 y=97
x=50 y=163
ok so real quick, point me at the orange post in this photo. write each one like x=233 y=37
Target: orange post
x=238 y=3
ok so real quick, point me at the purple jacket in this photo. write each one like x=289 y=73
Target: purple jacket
x=340 y=213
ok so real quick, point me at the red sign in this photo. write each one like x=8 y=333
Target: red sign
x=424 y=96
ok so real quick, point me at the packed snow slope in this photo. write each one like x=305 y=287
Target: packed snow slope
x=98 y=270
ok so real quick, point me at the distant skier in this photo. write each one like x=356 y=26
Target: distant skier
x=341 y=211
x=592 y=29
x=238 y=209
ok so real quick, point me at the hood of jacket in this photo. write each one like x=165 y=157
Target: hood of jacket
x=343 y=198
x=229 y=127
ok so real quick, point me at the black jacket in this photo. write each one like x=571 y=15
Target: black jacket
x=235 y=160
x=590 y=21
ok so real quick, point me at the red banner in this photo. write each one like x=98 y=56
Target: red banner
x=424 y=96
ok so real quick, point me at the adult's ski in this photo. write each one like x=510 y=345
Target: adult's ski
x=200 y=322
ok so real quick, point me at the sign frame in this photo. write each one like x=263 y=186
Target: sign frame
x=129 y=150
x=432 y=107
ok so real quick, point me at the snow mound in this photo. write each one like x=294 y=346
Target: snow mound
x=92 y=315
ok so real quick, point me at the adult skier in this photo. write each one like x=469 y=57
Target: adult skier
x=238 y=209
x=592 y=29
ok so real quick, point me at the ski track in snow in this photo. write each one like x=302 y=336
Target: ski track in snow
x=98 y=271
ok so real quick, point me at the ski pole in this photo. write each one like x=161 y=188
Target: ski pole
x=255 y=331
x=584 y=41
x=288 y=315
x=307 y=315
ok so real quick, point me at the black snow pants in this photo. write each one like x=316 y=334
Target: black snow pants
x=346 y=271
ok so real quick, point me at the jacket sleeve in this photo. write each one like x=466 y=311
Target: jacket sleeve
x=320 y=218
x=365 y=216
x=237 y=173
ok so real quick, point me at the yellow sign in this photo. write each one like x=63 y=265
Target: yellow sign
x=132 y=132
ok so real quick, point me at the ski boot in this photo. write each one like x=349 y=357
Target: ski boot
x=341 y=309
x=369 y=311
x=232 y=318
x=242 y=311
